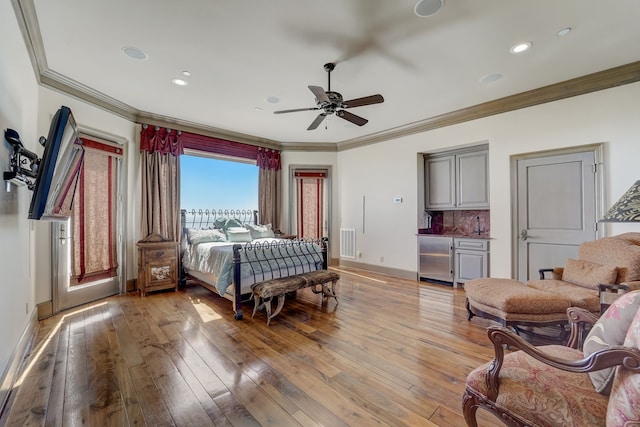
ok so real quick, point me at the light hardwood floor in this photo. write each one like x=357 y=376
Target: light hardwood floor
x=392 y=352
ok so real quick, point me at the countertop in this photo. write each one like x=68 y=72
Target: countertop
x=458 y=235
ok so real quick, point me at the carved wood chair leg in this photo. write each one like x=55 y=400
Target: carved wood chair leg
x=469 y=409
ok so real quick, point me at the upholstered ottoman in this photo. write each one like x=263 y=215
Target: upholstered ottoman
x=512 y=303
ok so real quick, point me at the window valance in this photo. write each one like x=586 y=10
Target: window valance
x=268 y=159
x=158 y=139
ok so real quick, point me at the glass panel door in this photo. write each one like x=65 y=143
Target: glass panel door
x=87 y=260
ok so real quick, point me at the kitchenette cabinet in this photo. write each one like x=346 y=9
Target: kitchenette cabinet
x=471 y=259
x=457 y=180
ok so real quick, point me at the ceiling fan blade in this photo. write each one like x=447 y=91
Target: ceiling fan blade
x=295 y=110
x=360 y=121
x=359 y=102
x=317 y=121
x=320 y=94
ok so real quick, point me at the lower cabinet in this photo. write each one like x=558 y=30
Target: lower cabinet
x=471 y=259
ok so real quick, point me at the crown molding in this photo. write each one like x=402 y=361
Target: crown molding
x=28 y=23
x=617 y=76
x=309 y=146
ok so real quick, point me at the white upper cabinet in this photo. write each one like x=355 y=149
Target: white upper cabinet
x=457 y=181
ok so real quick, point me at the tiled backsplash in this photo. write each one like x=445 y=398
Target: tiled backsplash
x=460 y=222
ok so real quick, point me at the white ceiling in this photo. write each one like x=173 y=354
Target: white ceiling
x=240 y=52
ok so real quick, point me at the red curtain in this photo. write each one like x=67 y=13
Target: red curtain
x=268 y=159
x=310 y=195
x=156 y=139
x=163 y=141
x=209 y=144
x=94 y=214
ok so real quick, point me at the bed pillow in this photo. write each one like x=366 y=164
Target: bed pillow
x=260 y=231
x=238 y=234
x=196 y=236
x=224 y=223
x=589 y=274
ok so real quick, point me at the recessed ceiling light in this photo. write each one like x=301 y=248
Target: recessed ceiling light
x=424 y=8
x=489 y=78
x=520 y=47
x=564 y=31
x=186 y=73
x=135 y=53
x=180 y=82
x=273 y=100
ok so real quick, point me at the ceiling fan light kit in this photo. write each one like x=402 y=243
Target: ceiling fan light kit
x=425 y=8
x=330 y=102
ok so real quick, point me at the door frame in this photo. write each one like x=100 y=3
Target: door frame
x=121 y=227
x=598 y=154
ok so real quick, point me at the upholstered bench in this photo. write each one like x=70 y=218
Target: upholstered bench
x=512 y=303
x=264 y=292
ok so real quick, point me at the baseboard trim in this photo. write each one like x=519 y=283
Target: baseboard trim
x=395 y=272
x=45 y=309
x=16 y=361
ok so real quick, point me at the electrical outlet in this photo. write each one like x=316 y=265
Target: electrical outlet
x=381 y=259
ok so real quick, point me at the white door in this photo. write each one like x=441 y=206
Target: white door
x=556 y=209
x=87 y=247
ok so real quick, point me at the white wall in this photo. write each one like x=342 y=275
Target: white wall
x=18 y=111
x=383 y=171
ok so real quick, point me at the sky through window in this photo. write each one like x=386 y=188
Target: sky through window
x=208 y=183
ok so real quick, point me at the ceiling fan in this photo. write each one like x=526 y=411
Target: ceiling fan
x=330 y=102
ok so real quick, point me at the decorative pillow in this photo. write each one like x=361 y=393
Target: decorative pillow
x=589 y=274
x=610 y=330
x=260 y=231
x=624 y=400
x=224 y=223
x=622 y=252
x=196 y=236
x=238 y=234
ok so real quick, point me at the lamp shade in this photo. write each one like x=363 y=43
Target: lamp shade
x=627 y=209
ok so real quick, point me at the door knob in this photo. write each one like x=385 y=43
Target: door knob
x=524 y=235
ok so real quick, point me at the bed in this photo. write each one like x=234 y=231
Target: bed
x=227 y=251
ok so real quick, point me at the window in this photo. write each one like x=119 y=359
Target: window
x=208 y=182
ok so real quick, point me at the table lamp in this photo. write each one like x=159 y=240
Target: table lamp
x=627 y=209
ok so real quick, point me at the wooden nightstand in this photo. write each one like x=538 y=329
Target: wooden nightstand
x=157 y=264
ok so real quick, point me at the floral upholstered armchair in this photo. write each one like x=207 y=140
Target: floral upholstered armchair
x=564 y=386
